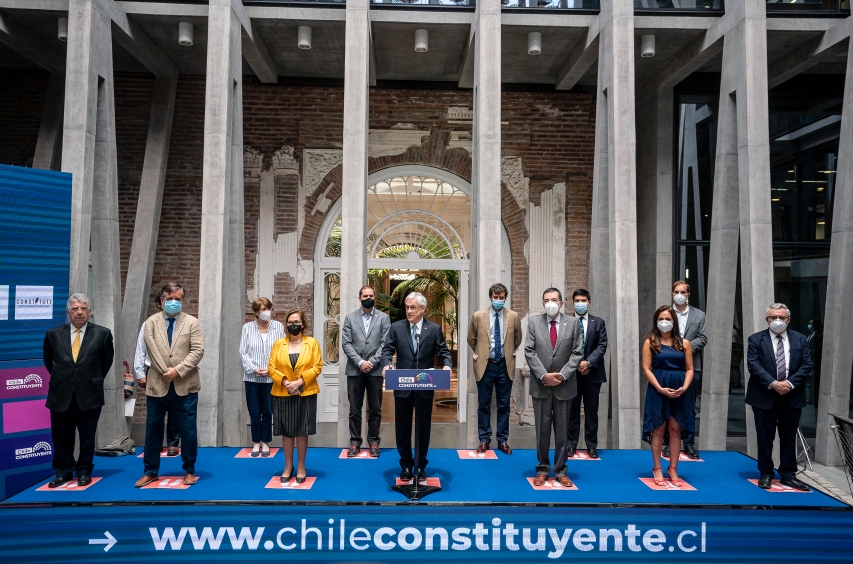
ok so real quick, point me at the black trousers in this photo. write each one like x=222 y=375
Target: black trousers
x=787 y=419
x=356 y=388
x=588 y=392
x=63 y=425
x=404 y=414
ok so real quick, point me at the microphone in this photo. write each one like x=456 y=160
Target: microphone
x=417 y=350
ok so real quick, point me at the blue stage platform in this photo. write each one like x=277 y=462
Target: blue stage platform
x=487 y=510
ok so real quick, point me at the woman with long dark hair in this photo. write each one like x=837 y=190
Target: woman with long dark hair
x=668 y=366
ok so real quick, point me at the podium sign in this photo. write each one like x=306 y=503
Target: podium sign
x=415 y=380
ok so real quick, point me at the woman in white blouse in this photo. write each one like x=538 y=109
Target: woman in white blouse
x=255 y=344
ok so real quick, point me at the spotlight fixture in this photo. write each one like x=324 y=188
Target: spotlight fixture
x=185 y=34
x=304 y=37
x=62 y=29
x=647 y=46
x=421 y=40
x=534 y=43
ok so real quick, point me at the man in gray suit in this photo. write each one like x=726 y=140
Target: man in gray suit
x=553 y=351
x=691 y=325
x=362 y=336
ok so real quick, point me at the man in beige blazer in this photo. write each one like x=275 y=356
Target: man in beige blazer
x=175 y=346
x=494 y=334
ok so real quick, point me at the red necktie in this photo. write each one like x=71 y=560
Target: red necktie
x=553 y=334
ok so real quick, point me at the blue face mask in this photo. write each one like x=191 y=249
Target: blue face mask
x=581 y=308
x=811 y=327
x=498 y=304
x=172 y=307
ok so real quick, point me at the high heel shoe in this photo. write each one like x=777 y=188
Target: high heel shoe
x=300 y=479
x=677 y=482
x=285 y=478
x=662 y=481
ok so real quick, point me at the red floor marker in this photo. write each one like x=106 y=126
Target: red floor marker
x=163 y=454
x=552 y=485
x=474 y=455
x=275 y=483
x=167 y=483
x=777 y=487
x=429 y=482
x=669 y=486
x=247 y=453
x=69 y=486
x=683 y=458
x=363 y=454
x=582 y=455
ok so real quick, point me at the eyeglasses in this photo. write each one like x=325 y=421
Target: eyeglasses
x=777 y=318
x=79 y=308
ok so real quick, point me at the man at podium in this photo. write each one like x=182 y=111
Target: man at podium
x=416 y=342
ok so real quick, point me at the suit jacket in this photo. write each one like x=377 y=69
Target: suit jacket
x=594 y=348
x=184 y=354
x=479 y=339
x=359 y=346
x=309 y=365
x=695 y=333
x=761 y=362
x=564 y=358
x=400 y=342
x=83 y=379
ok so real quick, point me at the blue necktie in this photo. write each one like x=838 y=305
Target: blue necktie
x=415 y=338
x=583 y=340
x=171 y=328
x=499 y=350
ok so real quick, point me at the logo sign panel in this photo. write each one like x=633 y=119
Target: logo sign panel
x=24 y=381
x=33 y=302
x=4 y=302
x=26 y=451
x=414 y=380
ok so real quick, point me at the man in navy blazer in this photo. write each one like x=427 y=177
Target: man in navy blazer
x=779 y=365
x=416 y=342
x=591 y=375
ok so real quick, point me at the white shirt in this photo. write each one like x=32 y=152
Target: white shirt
x=74 y=334
x=140 y=360
x=500 y=316
x=786 y=347
x=255 y=349
x=682 y=319
x=585 y=318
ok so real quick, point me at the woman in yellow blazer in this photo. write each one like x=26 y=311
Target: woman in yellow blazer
x=295 y=363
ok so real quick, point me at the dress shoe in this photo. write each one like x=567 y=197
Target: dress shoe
x=174 y=451
x=592 y=452
x=352 y=452
x=301 y=479
x=58 y=481
x=406 y=475
x=765 y=481
x=482 y=447
x=571 y=452
x=265 y=450
x=565 y=481
x=190 y=479
x=84 y=480
x=540 y=479
x=794 y=483
x=145 y=480
x=256 y=452
x=665 y=451
x=691 y=452
x=421 y=475
x=374 y=451
x=504 y=448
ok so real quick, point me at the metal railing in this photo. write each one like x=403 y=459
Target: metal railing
x=843 y=431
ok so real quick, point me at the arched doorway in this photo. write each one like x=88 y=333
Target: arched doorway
x=419 y=219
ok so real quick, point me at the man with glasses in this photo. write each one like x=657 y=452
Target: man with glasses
x=779 y=364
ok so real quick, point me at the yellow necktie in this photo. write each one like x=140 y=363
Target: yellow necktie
x=75 y=346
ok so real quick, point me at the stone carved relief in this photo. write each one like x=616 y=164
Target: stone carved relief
x=284 y=159
x=316 y=164
x=518 y=185
x=253 y=162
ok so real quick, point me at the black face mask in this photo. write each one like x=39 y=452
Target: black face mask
x=294 y=329
x=367 y=303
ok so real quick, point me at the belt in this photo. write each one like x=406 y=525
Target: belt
x=493 y=361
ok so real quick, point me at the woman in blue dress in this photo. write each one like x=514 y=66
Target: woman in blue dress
x=668 y=366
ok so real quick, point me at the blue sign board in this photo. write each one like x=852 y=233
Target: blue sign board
x=413 y=380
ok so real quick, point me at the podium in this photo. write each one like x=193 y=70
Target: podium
x=417 y=381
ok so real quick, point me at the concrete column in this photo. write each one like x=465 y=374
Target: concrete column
x=485 y=263
x=743 y=164
x=147 y=224
x=354 y=188
x=223 y=124
x=49 y=146
x=837 y=352
x=89 y=154
x=616 y=153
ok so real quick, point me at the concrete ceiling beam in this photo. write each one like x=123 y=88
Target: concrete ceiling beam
x=255 y=50
x=580 y=59
x=807 y=56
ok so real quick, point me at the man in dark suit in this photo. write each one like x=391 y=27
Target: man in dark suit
x=78 y=357
x=363 y=335
x=553 y=351
x=779 y=365
x=591 y=375
x=416 y=342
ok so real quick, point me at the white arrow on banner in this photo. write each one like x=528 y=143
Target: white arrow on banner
x=109 y=541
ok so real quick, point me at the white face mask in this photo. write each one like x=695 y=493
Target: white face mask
x=778 y=326
x=551 y=308
x=664 y=326
x=679 y=299
x=265 y=315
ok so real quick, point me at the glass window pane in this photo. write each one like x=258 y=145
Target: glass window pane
x=802 y=194
x=330 y=333
x=693 y=269
x=697 y=147
x=332 y=283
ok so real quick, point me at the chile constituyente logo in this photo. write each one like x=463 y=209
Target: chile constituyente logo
x=423 y=378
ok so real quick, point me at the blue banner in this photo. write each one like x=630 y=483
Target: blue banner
x=428 y=379
x=350 y=533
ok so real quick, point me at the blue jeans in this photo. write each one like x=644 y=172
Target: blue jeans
x=184 y=409
x=259 y=402
x=495 y=376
